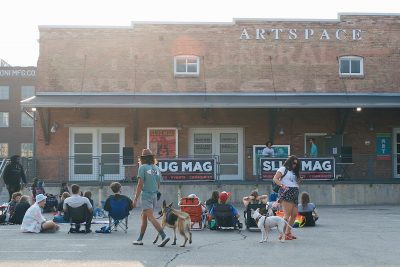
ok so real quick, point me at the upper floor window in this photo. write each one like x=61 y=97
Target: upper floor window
x=26 y=150
x=4 y=92
x=187 y=65
x=26 y=120
x=3 y=119
x=27 y=91
x=351 y=66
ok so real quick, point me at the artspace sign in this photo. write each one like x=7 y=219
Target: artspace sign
x=311 y=168
x=301 y=34
x=187 y=169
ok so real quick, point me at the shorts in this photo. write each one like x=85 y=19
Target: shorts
x=289 y=195
x=149 y=202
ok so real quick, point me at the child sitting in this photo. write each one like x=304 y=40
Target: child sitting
x=63 y=188
x=307 y=209
x=116 y=189
x=62 y=217
x=15 y=198
x=213 y=200
x=20 y=210
x=223 y=197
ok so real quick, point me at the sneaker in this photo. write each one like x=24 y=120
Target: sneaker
x=87 y=231
x=138 y=242
x=164 y=241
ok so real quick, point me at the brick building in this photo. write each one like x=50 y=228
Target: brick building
x=16 y=126
x=201 y=89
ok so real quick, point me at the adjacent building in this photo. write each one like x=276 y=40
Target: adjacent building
x=219 y=90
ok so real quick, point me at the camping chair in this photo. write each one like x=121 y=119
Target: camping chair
x=224 y=218
x=250 y=223
x=118 y=214
x=192 y=206
x=77 y=217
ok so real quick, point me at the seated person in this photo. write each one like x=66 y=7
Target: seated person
x=203 y=208
x=223 y=197
x=34 y=222
x=273 y=203
x=213 y=200
x=116 y=189
x=51 y=203
x=63 y=188
x=15 y=198
x=20 y=209
x=62 y=217
x=75 y=201
x=254 y=198
x=307 y=209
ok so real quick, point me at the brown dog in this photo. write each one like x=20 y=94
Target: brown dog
x=175 y=219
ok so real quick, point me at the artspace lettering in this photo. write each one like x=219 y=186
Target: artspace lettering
x=301 y=34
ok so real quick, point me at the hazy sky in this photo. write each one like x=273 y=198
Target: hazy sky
x=19 y=18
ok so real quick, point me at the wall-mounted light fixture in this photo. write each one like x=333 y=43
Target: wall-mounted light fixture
x=54 y=127
x=358 y=109
x=281 y=132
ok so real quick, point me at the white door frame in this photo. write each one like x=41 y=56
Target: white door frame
x=216 y=147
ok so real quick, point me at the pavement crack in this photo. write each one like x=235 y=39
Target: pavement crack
x=176 y=256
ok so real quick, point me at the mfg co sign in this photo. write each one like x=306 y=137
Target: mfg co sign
x=311 y=168
x=187 y=169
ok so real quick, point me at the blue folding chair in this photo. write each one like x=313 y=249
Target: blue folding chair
x=118 y=214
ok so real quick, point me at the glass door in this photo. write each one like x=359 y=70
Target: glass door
x=396 y=153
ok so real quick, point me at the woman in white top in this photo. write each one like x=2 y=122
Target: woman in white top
x=34 y=222
x=288 y=178
x=268 y=150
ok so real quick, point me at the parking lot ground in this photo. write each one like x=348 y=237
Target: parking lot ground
x=344 y=236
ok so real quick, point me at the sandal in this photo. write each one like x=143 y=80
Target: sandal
x=287 y=237
x=291 y=236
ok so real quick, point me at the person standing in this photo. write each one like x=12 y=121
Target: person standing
x=149 y=176
x=288 y=178
x=13 y=175
x=313 y=148
x=268 y=150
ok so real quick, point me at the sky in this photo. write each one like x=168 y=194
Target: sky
x=19 y=19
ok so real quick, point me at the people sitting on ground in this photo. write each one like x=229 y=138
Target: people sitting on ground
x=37 y=188
x=222 y=199
x=51 y=203
x=254 y=198
x=75 y=201
x=88 y=195
x=34 y=222
x=273 y=203
x=213 y=200
x=20 y=209
x=63 y=188
x=62 y=217
x=116 y=188
x=307 y=209
x=15 y=198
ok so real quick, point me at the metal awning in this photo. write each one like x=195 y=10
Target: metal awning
x=228 y=100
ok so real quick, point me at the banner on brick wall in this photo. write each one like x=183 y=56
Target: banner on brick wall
x=182 y=169
x=311 y=168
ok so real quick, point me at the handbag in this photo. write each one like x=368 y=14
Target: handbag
x=275 y=186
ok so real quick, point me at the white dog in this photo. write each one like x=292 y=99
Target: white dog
x=266 y=223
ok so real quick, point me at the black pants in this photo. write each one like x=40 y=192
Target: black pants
x=12 y=188
x=88 y=220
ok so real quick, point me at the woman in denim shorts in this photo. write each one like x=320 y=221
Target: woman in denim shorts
x=288 y=178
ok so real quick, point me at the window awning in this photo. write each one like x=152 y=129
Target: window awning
x=195 y=100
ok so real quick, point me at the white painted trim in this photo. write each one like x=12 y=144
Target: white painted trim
x=361 y=59
x=187 y=74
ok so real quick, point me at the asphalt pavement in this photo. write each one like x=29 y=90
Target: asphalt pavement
x=344 y=236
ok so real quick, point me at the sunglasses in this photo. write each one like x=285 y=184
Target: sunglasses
x=295 y=163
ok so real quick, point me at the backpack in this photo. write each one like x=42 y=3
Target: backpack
x=276 y=187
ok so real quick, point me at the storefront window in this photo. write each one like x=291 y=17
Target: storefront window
x=3 y=150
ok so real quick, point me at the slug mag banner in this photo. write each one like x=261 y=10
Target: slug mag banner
x=187 y=169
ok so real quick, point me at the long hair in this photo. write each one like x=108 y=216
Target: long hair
x=215 y=196
x=149 y=159
x=289 y=165
x=304 y=198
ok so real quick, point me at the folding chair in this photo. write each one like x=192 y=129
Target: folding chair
x=224 y=218
x=77 y=216
x=250 y=223
x=192 y=206
x=118 y=214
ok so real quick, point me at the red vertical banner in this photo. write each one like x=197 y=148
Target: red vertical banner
x=163 y=141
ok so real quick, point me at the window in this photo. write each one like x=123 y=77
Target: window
x=187 y=65
x=27 y=91
x=3 y=150
x=4 y=92
x=26 y=120
x=3 y=119
x=27 y=150
x=351 y=66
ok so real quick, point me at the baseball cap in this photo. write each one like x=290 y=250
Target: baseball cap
x=40 y=198
x=223 y=196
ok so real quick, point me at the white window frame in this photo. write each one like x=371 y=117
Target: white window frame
x=28 y=153
x=186 y=73
x=350 y=58
x=7 y=123
x=6 y=89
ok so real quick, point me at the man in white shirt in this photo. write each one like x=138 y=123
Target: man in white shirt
x=75 y=201
x=268 y=150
